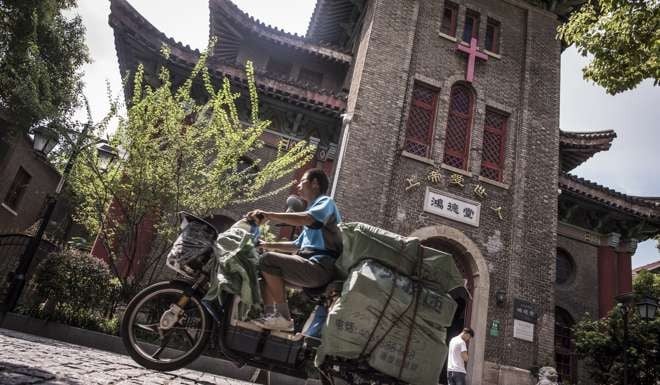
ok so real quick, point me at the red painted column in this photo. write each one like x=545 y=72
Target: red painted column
x=607 y=279
x=625 y=272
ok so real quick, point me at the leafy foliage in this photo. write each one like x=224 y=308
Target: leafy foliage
x=601 y=344
x=41 y=52
x=78 y=317
x=624 y=38
x=76 y=279
x=180 y=154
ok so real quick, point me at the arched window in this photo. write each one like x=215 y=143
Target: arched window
x=565 y=347
x=459 y=123
x=421 y=118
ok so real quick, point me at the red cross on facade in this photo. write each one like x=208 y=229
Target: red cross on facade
x=473 y=54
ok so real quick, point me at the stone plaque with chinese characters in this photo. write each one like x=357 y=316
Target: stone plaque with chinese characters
x=524 y=311
x=452 y=207
x=523 y=330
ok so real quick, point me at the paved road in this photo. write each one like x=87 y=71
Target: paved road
x=27 y=359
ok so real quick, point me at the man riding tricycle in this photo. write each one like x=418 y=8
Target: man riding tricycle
x=383 y=301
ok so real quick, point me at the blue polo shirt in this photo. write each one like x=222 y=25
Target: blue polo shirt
x=324 y=235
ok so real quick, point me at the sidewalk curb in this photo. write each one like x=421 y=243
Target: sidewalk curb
x=110 y=343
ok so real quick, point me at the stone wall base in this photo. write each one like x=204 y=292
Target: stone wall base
x=495 y=374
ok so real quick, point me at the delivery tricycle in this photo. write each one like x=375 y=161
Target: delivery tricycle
x=384 y=339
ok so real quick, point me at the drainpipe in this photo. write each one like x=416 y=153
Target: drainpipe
x=345 y=126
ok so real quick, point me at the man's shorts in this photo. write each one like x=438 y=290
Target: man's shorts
x=296 y=270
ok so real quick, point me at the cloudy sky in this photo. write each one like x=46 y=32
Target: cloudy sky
x=631 y=166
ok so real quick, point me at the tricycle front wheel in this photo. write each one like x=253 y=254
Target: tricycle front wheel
x=175 y=346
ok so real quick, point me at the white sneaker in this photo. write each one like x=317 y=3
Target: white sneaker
x=274 y=322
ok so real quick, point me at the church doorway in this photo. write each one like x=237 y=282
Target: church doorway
x=464 y=310
x=471 y=312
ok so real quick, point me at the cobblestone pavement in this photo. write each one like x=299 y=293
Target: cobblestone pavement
x=28 y=359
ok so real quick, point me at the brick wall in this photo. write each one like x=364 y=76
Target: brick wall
x=578 y=295
x=43 y=181
x=399 y=44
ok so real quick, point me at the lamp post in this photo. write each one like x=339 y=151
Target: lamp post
x=646 y=309
x=45 y=140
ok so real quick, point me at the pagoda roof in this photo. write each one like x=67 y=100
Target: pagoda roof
x=136 y=38
x=576 y=148
x=334 y=21
x=653 y=267
x=645 y=208
x=232 y=25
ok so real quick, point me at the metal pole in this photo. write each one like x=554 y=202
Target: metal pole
x=18 y=277
x=625 y=345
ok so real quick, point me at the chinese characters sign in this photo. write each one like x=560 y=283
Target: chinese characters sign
x=452 y=207
x=524 y=311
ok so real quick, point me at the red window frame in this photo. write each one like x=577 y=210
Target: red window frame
x=500 y=134
x=451 y=28
x=493 y=41
x=565 y=357
x=452 y=155
x=414 y=142
x=469 y=14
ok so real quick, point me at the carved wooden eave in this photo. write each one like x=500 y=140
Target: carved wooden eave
x=335 y=21
x=232 y=26
x=607 y=210
x=137 y=40
x=576 y=148
x=563 y=8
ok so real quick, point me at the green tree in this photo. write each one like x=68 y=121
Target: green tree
x=41 y=52
x=179 y=154
x=600 y=342
x=624 y=38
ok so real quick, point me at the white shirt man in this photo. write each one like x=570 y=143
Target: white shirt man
x=457 y=357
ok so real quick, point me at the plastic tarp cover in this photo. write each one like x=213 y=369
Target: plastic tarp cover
x=195 y=240
x=438 y=270
x=375 y=318
x=234 y=269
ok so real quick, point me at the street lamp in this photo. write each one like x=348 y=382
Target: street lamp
x=45 y=140
x=107 y=155
x=646 y=309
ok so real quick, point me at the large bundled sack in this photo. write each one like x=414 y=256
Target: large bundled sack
x=234 y=269
x=438 y=269
x=383 y=316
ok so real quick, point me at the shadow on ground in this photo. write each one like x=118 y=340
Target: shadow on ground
x=23 y=374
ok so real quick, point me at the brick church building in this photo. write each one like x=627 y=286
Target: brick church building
x=440 y=119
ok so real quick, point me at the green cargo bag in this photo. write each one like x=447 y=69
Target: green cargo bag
x=378 y=319
x=363 y=241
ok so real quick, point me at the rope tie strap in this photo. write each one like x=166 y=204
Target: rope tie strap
x=417 y=295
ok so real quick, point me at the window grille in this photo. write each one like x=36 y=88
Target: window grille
x=564 y=347
x=493 y=36
x=449 y=16
x=17 y=189
x=471 y=27
x=419 y=129
x=310 y=77
x=459 y=122
x=279 y=68
x=492 y=158
x=564 y=267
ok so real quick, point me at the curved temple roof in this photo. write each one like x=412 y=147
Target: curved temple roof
x=647 y=208
x=576 y=148
x=231 y=25
x=136 y=39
